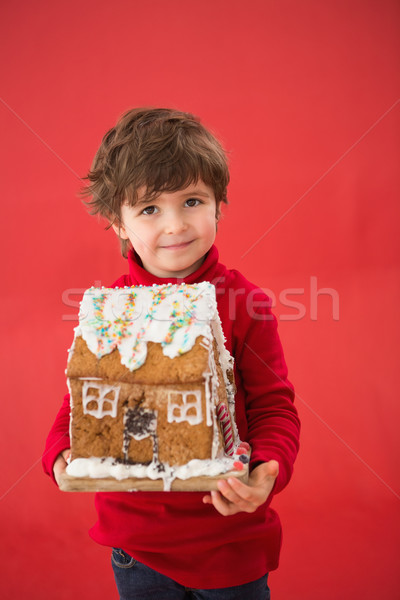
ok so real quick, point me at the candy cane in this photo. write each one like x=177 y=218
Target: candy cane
x=225 y=421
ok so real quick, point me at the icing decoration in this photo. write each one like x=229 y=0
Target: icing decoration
x=110 y=332
x=225 y=421
x=106 y=395
x=178 y=411
x=108 y=467
x=127 y=318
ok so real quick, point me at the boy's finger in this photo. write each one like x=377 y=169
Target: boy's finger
x=222 y=505
x=229 y=493
x=245 y=492
x=247 y=499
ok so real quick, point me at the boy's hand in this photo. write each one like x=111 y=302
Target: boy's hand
x=61 y=464
x=235 y=496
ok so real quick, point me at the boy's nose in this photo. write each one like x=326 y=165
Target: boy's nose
x=174 y=223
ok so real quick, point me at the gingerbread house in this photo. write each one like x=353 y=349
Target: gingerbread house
x=152 y=393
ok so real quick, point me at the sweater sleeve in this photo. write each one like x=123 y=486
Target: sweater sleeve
x=272 y=419
x=58 y=438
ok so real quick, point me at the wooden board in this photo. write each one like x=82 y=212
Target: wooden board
x=133 y=484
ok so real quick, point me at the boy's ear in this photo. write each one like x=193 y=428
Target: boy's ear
x=120 y=230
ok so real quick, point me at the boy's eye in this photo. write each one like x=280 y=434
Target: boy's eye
x=149 y=210
x=192 y=202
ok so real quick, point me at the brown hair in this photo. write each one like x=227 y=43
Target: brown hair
x=159 y=148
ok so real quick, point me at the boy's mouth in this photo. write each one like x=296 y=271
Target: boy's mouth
x=176 y=246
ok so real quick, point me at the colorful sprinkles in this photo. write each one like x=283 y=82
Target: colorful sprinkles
x=110 y=333
x=124 y=319
x=182 y=316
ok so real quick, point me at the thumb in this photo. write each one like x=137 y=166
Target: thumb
x=266 y=471
x=273 y=468
x=66 y=454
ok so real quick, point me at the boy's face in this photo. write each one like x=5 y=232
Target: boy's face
x=172 y=233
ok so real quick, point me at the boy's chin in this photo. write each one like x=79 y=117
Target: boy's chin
x=176 y=270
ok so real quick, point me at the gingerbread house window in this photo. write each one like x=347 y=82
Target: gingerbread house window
x=99 y=399
x=185 y=406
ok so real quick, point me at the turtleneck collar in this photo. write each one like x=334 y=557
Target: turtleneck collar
x=205 y=272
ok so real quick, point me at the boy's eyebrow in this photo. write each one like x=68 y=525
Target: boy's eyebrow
x=196 y=193
x=143 y=201
x=185 y=194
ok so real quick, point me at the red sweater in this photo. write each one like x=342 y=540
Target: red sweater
x=174 y=532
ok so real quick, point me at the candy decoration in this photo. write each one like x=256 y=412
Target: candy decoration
x=240 y=450
x=244 y=445
x=238 y=466
x=226 y=425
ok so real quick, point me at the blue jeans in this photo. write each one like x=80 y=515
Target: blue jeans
x=135 y=581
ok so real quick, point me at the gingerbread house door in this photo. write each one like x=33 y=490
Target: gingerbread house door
x=140 y=424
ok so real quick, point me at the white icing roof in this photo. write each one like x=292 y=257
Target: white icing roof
x=127 y=318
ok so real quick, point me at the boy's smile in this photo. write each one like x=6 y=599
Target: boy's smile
x=172 y=233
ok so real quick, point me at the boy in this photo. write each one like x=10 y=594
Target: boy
x=159 y=178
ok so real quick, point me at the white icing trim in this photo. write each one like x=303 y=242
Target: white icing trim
x=178 y=412
x=99 y=468
x=207 y=385
x=70 y=409
x=227 y=364
x=101 y=399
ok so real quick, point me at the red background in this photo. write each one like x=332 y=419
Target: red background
x=305 y=96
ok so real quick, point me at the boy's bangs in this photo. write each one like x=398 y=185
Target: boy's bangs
x=169 y=176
